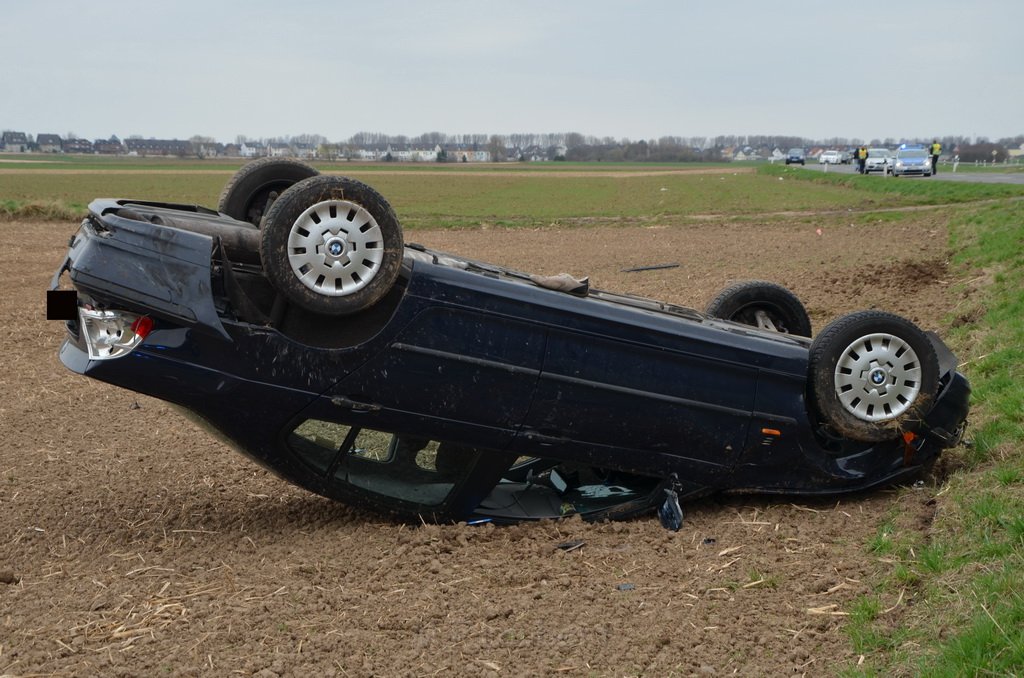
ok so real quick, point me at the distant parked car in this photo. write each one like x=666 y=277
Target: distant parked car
x=845 y=157
x=795 y=155
x=878 y=160
x=911 y=160
x=829 y=158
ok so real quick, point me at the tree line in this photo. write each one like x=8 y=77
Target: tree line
x=580 y=147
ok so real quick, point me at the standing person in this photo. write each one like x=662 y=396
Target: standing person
x=862 y=158
x=935 y=149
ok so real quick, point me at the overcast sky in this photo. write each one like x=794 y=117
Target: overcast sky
x=262 y=68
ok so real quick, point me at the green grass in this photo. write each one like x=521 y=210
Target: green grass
x=431 y=200
x=971 y=168
x=914 y=192
x=967 y=574
x=508 y=195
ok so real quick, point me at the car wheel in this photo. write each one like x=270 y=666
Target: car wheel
x=332 y=245
x=871 y=374
x=762 y=304
x=246 y=195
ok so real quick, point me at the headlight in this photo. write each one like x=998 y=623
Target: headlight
x=112 y=334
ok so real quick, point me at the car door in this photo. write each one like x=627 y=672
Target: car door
x=629 y=405
x=452 y=373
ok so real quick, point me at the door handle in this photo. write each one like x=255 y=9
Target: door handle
x=542 y=439
x=354 y=405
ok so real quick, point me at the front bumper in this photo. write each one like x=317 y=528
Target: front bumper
x=911 y=169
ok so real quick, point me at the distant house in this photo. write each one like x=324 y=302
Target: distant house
x=400 y=152
x=534 y=154
x=14 y=142
x=49 y=143
x=169 y=147
x=466 y=153
x=370 y=153
x=108 y=147
x=423 y=153
x=247 y=151
x=208 y=149
x=78 y=146
x=304 y=151
x=279 y=151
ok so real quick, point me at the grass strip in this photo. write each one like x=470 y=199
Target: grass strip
x=965 y=574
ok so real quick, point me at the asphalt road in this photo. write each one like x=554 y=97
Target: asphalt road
x=945 y=174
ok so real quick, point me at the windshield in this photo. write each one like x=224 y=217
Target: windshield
x=796 y=151
x=878 y=152
x=915 y=153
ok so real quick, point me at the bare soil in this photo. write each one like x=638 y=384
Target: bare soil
x=133 y=543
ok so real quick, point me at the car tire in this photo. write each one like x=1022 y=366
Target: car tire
x=743 y=302
x=871 y=375
x=332 y=245
x=246 y=195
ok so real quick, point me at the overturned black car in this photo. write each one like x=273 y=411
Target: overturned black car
x=298 y=323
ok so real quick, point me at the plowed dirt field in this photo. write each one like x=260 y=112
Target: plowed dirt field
x=133 y=543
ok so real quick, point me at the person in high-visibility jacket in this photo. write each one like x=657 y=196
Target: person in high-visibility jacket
x=862 y=158
x=936 y=150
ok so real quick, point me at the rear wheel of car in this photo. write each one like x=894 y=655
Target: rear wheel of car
x=872 y=374
x=762 y=304
x=332 y=245
x=246 y=195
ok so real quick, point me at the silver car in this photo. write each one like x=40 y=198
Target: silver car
x=879 y=160
x=829 y=158
x=911 y=161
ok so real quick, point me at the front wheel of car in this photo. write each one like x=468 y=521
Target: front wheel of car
x=332 y=245
x=246 y=195
x=872 y=374
x=761 y=304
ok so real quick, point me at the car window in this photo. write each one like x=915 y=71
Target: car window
x=915 y=153
x=409 y=468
